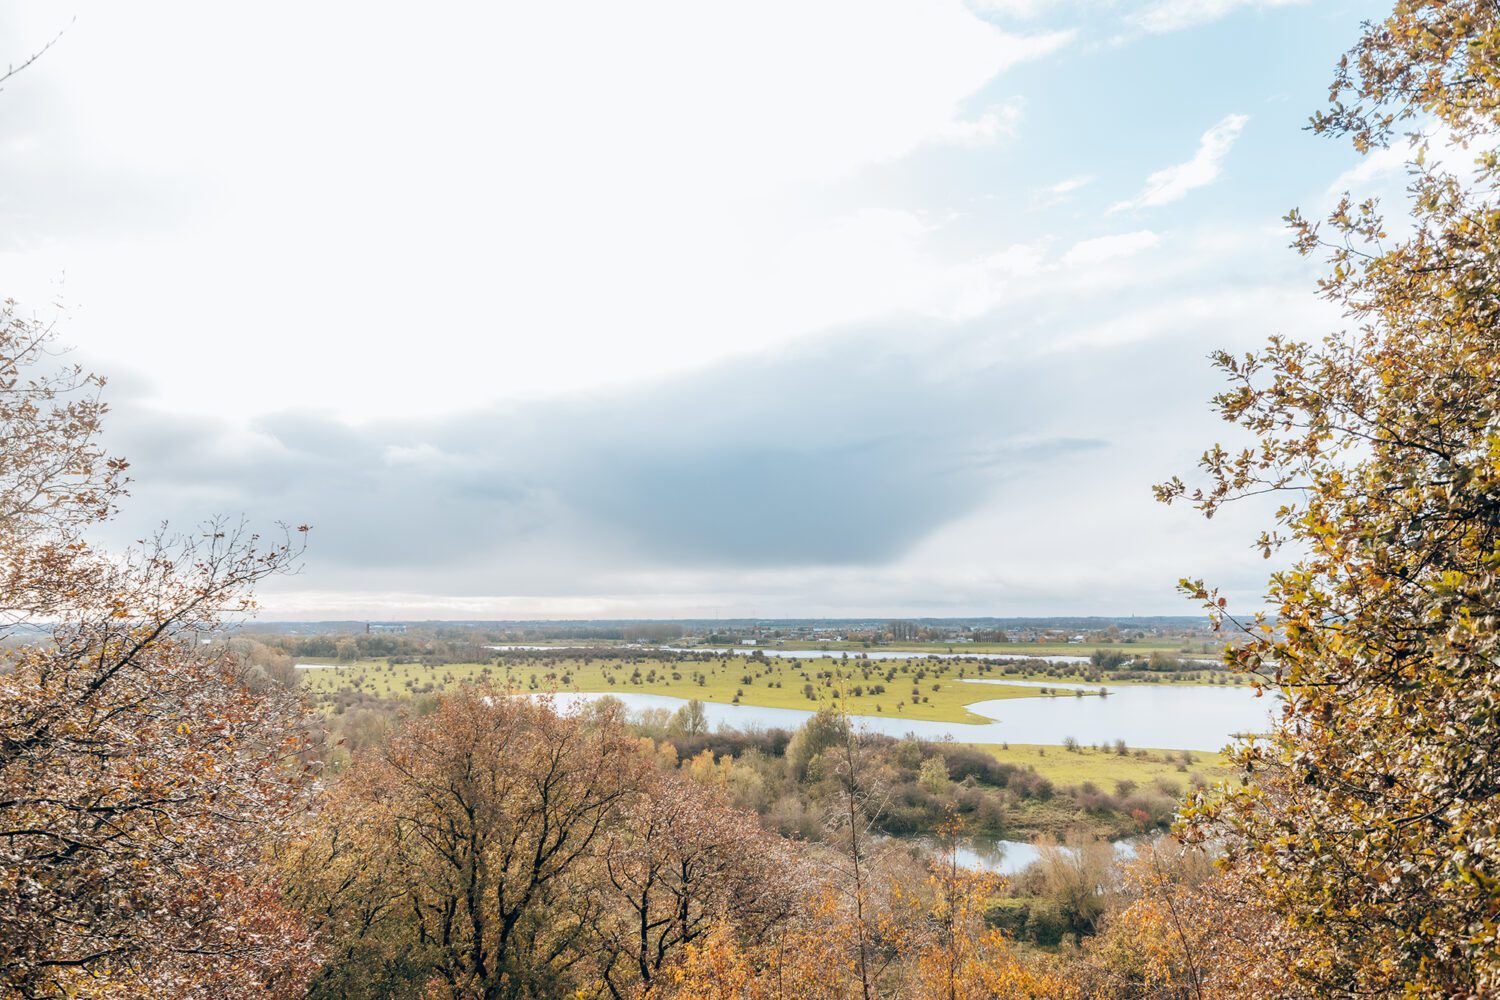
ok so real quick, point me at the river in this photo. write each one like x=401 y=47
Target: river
x=1176 y=717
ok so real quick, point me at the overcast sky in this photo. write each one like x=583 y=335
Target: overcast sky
x=678 y=308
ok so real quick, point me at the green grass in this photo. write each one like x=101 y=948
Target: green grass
x=773 y=683
x=941 y=689
x=1105 y=767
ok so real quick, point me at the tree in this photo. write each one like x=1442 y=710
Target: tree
x=828 y=728
x=933 y=775
x=681 y=863
x=138 y=772
x=690 y=720
x=341 y=872
x=469 y=847
x=1183 y=932
x=1077 y=878
x=946 y=950
x=930 y=936
x=856 y=805
x=1371 y=820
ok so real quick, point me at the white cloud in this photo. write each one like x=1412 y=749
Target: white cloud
x=566 y=195
x=1378 y=163
x=1173 y=183
x=1020 y=9
x=1070 y=185
x=594 y=230
x=1107 y=247
x=1162 y=16
x=1054 y=194
x=1388 y=167
x=996 y=123
x=1017 y=260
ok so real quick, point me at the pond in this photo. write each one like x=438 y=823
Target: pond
x=1175 y=717
x=1003 y=857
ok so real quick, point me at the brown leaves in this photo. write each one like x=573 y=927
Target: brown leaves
x=470 y=847
x=137 y=777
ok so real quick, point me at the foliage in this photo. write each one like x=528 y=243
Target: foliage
x=495 y=848
x=138 y=771
x=681 y=862
x=427 y=847
x=1078 y=877
x=1182 y=933
x=1371 y=822
x=926 y=939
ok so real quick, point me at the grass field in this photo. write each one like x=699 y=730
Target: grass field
x=913 y=690
x=926 y=689
x=1105 y=767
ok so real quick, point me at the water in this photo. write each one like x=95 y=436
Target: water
x=1172 y=717
x=1003 y=857
x=1176 y=717
x=519 y=645
x=1051 y=685
x=873 y=654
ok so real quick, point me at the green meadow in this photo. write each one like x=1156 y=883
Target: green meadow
x=1106 y=768
x=911 y=689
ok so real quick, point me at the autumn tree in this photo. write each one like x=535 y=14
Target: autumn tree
x=1370 y=821
x=342 y=874
x=1182 y=931
x=854 y=776
x=681 y=863
x=462 y=854
x=929 y=932
x=139 y=774
x=946 y=951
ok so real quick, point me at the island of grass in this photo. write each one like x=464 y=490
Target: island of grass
x=920 y=690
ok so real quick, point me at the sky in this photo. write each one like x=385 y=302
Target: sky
x=679 y=308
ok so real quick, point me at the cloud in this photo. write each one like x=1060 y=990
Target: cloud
x=785 y=337
x=903 y=464
x=1378 y=163
x=1070 y=185
x=534 y=174
x=1021 y=9
x=996 y=123
x=1173 y=183
x=1388 y=170
x=1023 y=48
x=847 y=454
x=1063 y=190
x=1105 y=247
x=1162 y=16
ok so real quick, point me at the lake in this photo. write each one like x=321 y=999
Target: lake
x=1175 y=717
x=1165 y=716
